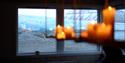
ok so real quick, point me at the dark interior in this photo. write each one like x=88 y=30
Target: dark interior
x=9 y=25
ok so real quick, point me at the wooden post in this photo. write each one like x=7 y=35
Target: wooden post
x=60 y=21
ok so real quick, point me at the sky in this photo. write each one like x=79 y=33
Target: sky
x=52 y=13
x=36 y=12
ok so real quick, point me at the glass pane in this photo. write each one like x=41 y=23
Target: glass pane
x=77 y=23
x=68 y=17
x=120 y=35
x=86 y=17
x=71 y=46
x=31 y=31
x=51 y=21
x=120 y=25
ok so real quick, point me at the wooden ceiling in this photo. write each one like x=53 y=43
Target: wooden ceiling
x=98 y=2
x=70 y=2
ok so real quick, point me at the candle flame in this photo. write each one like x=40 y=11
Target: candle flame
x=61 y=35
x=68 y=27
x=110 y=8
x=58 y=26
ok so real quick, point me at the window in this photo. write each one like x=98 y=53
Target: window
x=120 y=25
x=33 y=27
x=36 y=28
x=79 y=19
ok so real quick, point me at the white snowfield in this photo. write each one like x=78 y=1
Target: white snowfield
x=36 y=41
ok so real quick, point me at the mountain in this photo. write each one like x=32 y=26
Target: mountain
x=36 y=23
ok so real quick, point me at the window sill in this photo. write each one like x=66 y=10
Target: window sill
x=61 y=53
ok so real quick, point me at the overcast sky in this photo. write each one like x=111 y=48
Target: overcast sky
x=36 y=12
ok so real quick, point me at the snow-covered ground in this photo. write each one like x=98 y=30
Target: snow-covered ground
x=36 y=41
x=30 y=41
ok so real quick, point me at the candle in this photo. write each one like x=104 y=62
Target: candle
x=73 y=35
x=108 y=18
x=103 y=32
x=61 y=35
x=84 y=34
x=91 y=31
x=59 y=29
x=69 y=32
x=108 y=15
x=59 y=32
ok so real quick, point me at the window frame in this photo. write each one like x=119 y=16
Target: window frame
x=59 y=45
x=119 y=22
x=98 y=20
x=17 y=35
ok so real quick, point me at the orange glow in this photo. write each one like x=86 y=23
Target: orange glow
x=110 y=8
x=69 y=32
x=68 y=28
x=108 y=15
x=96 y=31
x=61 y=35
x=59 y=29
x=103 y=31
x=91 y=30
x=58 y=26
x=84 y=34
x=90 y=27
x=73 y=34
x=59 y=32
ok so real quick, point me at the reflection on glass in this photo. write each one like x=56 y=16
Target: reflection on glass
x=79 y=20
